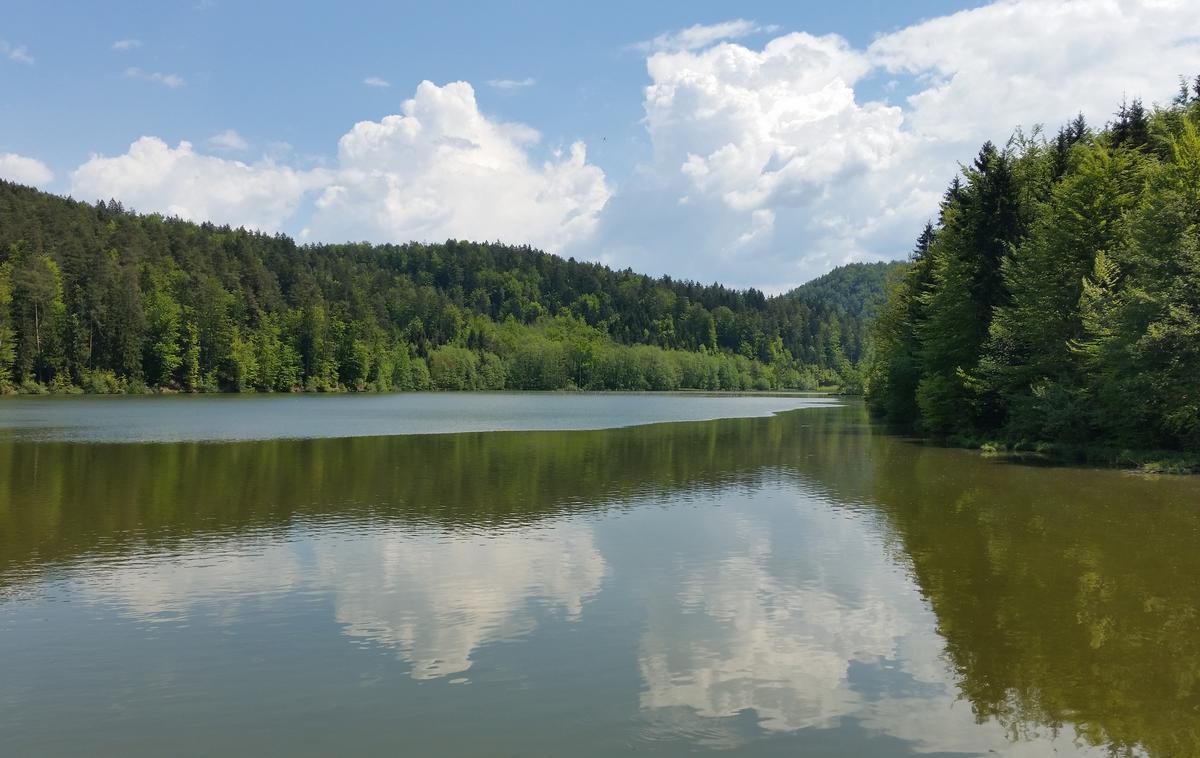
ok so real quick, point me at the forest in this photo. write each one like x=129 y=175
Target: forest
x=97 y=298
x=855 y=289
x=1054 y=304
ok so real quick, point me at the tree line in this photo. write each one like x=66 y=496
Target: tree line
x=1056 y=299
x=99 y=298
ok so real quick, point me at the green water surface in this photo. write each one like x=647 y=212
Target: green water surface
x=792 y=584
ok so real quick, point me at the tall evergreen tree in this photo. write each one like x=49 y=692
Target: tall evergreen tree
x=7 y=334
x=40 y=316
x=979 y=227
x=1091 y=336
x=1132 y=126
x=895 y=369
x=1028 y=361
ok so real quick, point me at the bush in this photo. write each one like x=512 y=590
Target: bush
x=658 y=371
x=492 y=374
x=30 y=387
x=453 y=368
x=102 y=382
x=537 y=364
x=419 y=377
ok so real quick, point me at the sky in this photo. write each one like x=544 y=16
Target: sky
x=758 y=144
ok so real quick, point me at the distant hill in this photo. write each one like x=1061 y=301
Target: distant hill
x=856 y=288
x=95 y=296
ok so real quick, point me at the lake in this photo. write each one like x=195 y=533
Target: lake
x=551 y=575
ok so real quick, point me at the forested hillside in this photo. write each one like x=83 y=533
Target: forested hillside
x=1057 y=297
x=100 y=298
x=856 y=289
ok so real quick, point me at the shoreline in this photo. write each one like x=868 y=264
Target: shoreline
x=1173 y=462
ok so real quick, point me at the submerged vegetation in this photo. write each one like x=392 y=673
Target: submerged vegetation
x=98 y=298
x=1055 y=304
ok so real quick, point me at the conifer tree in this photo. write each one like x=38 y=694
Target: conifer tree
x=979 y=227
x=7 y=334
x=1091 y=337
x=1029 y=337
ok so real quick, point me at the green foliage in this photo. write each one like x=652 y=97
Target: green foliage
x=1058 y=297
x=162 y=354
x=97 y=297
x=848 y=298
x=1083 y=218
x=39 y=316
x=855 y=288
x=980 y=223
x=7 y=334
x=454 y=368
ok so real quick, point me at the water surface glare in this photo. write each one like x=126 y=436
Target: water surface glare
x=207 y=418
x=800 y=583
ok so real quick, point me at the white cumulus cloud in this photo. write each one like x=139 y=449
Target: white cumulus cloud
x=178 y=181
x=443 y=169
x=1026 y=62
x=803 y=132
x=23 y=170
x=126 y=44
x=769 y=127
x=751 y=148
x=375 y=81
x=440 y=169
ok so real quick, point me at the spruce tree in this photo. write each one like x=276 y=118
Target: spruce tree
x=980 y=224
x=1028 y=361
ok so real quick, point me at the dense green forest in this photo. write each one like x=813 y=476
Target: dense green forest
x=1057 y=297
x=99 y=298
x=855 y=288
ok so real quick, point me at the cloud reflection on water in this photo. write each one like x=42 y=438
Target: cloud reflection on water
x=434 y=598
x=776 y=605
x=797 y=616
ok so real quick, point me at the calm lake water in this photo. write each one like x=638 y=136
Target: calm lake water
x=226 y=418
x=791 y=584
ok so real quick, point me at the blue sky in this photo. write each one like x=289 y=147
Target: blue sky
x=780 y=139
